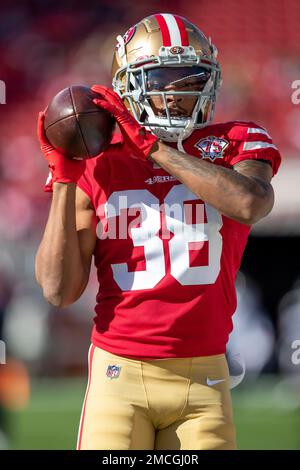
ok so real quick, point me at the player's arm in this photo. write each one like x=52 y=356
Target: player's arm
x=64 y=256
x=243 y=193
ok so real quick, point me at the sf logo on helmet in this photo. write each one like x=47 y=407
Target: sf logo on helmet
x=128 y=36
x=177 y=50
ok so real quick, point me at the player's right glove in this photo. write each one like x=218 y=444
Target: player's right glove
x=140 y=140
x=62 y=169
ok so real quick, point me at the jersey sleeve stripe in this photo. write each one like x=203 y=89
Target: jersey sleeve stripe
x=258 y=130
x=256 y=145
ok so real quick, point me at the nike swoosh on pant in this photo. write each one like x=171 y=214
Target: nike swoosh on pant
x=211 y=383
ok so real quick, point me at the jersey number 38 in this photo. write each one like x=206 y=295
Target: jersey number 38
x=146 y=235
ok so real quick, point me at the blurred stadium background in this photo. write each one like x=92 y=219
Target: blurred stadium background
x=48 y=45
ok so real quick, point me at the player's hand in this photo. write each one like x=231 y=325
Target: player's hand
x=138 y=138
x=62 y=169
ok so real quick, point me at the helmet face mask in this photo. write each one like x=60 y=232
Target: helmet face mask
x=173 y=87
x=168 y=91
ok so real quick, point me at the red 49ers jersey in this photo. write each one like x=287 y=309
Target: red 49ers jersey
x=167 y=261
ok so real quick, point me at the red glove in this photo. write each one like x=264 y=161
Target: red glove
x=62 y=169
x=138 y=139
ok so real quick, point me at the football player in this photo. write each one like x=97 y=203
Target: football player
x=187 y=191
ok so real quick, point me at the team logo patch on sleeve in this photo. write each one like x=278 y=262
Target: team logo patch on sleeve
x=212 y=147
x=113 y=372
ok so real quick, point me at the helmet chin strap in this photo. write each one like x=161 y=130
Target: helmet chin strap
x=184 y=134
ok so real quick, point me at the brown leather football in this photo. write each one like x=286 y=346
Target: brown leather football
x=75 y=125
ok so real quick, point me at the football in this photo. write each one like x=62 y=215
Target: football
x=75 y=126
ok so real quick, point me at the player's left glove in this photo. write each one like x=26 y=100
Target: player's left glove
x=62 y=169
x=139 y=139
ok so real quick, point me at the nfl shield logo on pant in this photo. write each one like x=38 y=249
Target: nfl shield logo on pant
x=113 y=372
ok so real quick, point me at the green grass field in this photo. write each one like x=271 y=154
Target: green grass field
x=267 y=416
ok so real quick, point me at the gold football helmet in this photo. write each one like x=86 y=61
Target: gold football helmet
x=165 y=70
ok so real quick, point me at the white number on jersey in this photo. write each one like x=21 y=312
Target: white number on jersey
x=184 y=233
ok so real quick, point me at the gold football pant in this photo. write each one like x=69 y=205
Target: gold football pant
x=172 y=404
